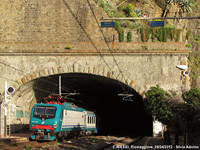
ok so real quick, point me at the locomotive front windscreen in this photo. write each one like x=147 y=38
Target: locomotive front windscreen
x=44 y=112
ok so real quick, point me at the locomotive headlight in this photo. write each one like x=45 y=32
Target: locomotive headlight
x=55 y=125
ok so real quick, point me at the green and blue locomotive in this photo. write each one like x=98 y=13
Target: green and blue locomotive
x=57 y=120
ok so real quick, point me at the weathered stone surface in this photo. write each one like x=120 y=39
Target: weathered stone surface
x=40 y=31
x=132 y=83
x=55 y=70
x=37 y=74
x=60 y=70
x=19 y=81
x=24 y=80
x=94 y=70
x=46 y=72
x=50 y=71
x=142 y=70
x=52 y=21
x=28 y=77
x=109 y=74
x=90 y=70
x=76 y=67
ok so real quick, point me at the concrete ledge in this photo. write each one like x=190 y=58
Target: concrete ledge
x=13 y=140
x=59 y=48
x=96 y=53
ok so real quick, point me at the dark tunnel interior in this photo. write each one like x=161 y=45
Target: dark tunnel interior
x=115 y=116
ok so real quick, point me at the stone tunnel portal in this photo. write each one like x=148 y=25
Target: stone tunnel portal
x=95 y=93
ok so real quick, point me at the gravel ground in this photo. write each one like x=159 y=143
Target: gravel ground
x=80 y=143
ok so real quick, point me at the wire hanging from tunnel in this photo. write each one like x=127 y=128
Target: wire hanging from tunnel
x=126 y=97
x=90 y=39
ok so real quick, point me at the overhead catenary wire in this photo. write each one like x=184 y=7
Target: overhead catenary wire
x=8 y=79
x=25 y=73
x=108 y=46
x=79 y=23
x=33 y=86
x=148 y=18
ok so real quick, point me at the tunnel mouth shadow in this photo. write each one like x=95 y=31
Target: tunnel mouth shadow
x=100 y=94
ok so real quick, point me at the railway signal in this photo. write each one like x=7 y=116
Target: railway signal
x=10 y=90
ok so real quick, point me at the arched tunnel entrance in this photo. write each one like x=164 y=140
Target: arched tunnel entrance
x=115 y=116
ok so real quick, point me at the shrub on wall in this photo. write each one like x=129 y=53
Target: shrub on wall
x=188 y=35
x=161 y=34
x=117 y=25
x=129 y=10
x=188 y=46
x=165 y=35
x=68 y=47
x=129 y=37
x=153 y=34
x=120 y=31
x=121 y=36
x=178 y=34
x=148 y=31
x=142 y=34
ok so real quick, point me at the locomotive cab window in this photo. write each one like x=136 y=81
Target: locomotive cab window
x=50 y=111
x=44 y=112
x=39 y=111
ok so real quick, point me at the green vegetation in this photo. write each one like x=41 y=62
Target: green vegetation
x=121 y=36
x=161 y=34
x=194 y=60
x=188 y=46
x=146 y=47
x=194 y=63
x=142 y=34
x=29 y=148
x=180 y=117
x=156 y=103
x=68 y=47
x=192 y=98
x=129 y=36
x=191 y=111
x=196 y=39
x=188 y=35
x=129 y=10
x=165 y=5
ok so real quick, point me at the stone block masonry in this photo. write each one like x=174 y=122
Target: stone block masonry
x=50 y=21
x=34 y=34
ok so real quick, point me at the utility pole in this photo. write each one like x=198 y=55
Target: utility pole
x=60 y=86
x=0 y=114
x=5 y=108
x=60 y=89
x=8 y=91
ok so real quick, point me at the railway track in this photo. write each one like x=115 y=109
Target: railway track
x=123 y=143
x=83 y=143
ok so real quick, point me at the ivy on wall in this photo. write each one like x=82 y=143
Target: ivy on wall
x=121 y=36
x=129 y=37
x=160 y=34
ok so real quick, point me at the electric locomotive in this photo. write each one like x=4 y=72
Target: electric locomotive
x=58 y=119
